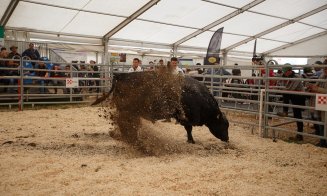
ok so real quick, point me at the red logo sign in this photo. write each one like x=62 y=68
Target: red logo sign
x=69 y=81
x=322 y=99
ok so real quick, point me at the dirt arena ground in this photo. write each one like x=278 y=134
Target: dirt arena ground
x=69 y=152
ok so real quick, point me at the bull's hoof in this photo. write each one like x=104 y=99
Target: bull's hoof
x=191 y=141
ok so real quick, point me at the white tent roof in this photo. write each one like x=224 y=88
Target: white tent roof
x=281 y=27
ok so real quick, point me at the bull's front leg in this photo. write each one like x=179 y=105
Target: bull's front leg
x=189 y=134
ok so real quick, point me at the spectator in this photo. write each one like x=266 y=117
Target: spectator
x=56 y=74
x=252 y=84
x=320 y=87
x=95 y=74
x=294 y=85
x=43 y=74
x=279 y=73
x=13 y=63
x=271 y=74
x=135 y=67
x=200 y=70
x=236 y=83
x=286 y=97
x=67 y=71
x=3 y=55
x=173 y=68
x=82 y=74
x=161 y=63
x=251 y=81
x=318 y=70
x=14 y=53
x=216 y=81
x=308 y=74
x=151 y=66
x=31 y=52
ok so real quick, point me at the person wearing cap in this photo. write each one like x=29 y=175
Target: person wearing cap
x=293 y=85
x=31 y=52
x=14 y=53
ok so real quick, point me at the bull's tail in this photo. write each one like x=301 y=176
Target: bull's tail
x=105 y=95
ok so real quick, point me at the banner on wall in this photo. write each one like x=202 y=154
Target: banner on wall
x=114 y=58
x=117 y=57
x=122 y=57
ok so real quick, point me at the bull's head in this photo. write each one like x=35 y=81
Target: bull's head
x=219 y=127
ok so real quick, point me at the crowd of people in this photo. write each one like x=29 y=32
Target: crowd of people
x=172 y=66
x=44 y=71
x=9 y=66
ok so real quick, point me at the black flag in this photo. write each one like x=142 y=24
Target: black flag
x=214 y=48
x=255 y=48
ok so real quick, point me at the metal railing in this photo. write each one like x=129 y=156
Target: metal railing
x=25 y=82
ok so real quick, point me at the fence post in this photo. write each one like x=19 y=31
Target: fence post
x=260 y=112
x=20 y=87
x=211 y=83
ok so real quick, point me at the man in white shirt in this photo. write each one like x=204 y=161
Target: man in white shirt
x=136 y=66
x=174 y=68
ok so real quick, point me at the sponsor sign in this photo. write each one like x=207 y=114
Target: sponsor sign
x=321 y=102
x=72 y=83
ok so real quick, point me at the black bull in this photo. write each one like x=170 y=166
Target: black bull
x=156 y=96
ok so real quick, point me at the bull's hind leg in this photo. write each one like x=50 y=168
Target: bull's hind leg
x=189 y=134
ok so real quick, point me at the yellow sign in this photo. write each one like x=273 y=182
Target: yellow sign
x=212 y=59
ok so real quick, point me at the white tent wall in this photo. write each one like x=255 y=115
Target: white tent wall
x=279 y=26
x=70 y=56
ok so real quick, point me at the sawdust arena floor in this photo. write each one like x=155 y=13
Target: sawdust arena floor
x=70 y=152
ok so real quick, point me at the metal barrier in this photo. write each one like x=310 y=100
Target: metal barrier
x=28 y=83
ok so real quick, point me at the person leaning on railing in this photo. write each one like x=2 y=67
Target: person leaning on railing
x=320 y=87
x=95 y=74
x=14 y=62
x=296 y=99
x=56 y=73
x=43 y=74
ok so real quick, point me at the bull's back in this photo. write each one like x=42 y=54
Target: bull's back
x=199 y=104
